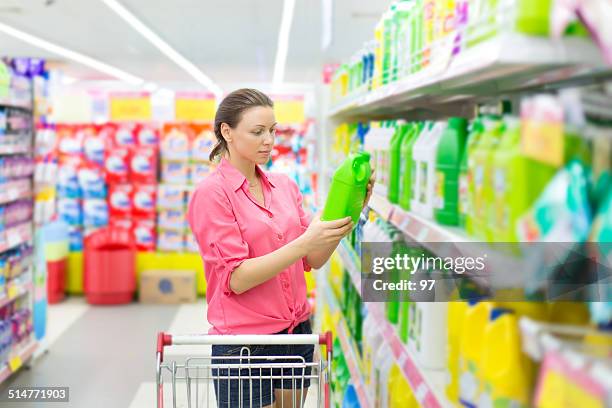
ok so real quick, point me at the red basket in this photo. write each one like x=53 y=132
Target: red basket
x=109 y=267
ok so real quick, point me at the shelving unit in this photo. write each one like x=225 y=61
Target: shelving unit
x=508 y=63
x=21 y=288
x=349 y=350
x=427 y=385
x=21 y=354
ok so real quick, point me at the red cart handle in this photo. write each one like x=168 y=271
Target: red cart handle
x=163 y=340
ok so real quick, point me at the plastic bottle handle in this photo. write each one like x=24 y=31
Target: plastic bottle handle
x=359 y=170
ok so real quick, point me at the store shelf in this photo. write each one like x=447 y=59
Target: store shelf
x=14 y=292
x=427 y=385
x=349 y=350
x=14 y=148
x=436 y=237
x=351 y=262
x=15 y=236
x=508 y=63
x=22 y=354
x=15 y=190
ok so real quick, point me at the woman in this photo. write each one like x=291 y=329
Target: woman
x=256 y=241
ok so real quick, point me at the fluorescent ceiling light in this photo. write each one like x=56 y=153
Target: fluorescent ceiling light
x=283 y=42
x=71 y=55
x=163 y=46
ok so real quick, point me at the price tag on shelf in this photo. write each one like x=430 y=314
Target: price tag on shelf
x=15 y=363
x=194 y=106
x=130 y=106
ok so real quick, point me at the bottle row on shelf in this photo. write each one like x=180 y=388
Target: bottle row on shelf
x=448 y=352
x=415 y=36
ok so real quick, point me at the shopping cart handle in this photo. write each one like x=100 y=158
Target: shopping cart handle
x=163 y=339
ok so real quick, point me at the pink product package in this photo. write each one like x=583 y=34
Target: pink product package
x=16 y=167
x=17 y=212
x=170 y=240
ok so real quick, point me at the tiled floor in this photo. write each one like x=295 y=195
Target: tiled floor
x=106 y=355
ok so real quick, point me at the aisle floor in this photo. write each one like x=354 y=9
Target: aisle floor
x=106 y=355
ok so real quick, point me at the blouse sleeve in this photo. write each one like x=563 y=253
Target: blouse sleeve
x=303 y=215
x=216 y=231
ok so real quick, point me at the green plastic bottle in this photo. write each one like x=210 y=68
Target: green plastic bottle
x=466 y=177
x=517 y=182
x=400 y=23
x=348 y=188
x=406 y=176
x=393 y=190
x=416 y=37
x=448 y=162
x=533 y=16
x=388 y=45
x=483 y=189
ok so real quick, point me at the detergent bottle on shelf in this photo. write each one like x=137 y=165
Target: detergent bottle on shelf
x=428 y=334
x=456 y=315
x=573 y=313
x=378 y=51
x=466 y=177
x=382 y=371
x=482 y=162
x=507 y=373
x=429 y=24
x=400 y=393
x=406 y=175
x=348 y=188
x=416 y=36
x=424 y=156
x=394 y=300
x=517 y=182
x=533 y=16
x=401 y=22
x=448 y=162
x=470 y=348
x=401 y=131
x=372 y=338
x=388 y=45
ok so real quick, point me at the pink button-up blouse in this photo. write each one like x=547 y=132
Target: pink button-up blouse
x=230 y=226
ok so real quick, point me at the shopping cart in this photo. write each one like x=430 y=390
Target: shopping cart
x=193 y=379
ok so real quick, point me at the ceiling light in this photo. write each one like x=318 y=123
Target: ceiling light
x=163 y=46
x=283 y=42
x=71 y=55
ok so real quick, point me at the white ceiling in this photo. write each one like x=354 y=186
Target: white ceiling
x=232 y=41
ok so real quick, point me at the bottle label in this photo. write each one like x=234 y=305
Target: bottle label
x=423 y=186
x=439 y=190
x=463 y=194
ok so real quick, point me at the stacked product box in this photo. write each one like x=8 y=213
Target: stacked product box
x=185 y=148
x=107 y=176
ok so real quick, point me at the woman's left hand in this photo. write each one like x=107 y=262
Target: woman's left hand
x=369 y=188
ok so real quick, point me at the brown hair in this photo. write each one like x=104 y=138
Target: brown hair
x=230 y=111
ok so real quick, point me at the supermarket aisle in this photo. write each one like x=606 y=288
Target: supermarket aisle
x=105 y=355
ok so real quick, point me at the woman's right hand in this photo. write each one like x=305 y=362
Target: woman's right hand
x=324 y=234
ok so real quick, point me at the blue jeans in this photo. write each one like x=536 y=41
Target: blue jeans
x=231 y=392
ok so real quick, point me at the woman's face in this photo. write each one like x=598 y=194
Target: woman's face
x=253 y=137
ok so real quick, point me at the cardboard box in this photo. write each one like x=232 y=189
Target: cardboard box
x=167 y=286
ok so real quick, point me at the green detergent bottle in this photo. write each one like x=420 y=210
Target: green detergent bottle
x=466 y=177
x=348 y=188
x=388 y=44
x=517 y=182
x=394 y=167
x=483 y=189
x=406 y=175
x=448 y=162
x=533 y=16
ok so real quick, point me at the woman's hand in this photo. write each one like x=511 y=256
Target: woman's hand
x=323 y=234
x=370 y=187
